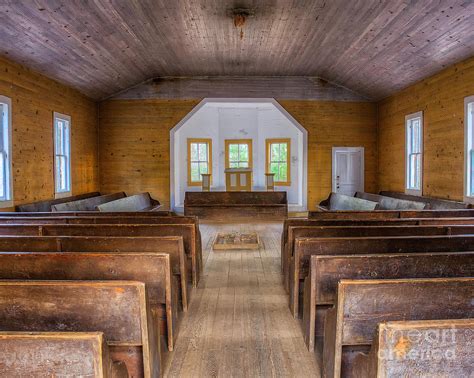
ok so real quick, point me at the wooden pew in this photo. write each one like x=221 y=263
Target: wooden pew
x=236 y=206
x=87 y=213
x=363 y=304
x=320 y=287
x=186 y=231
x=137 y=202
x=170 y=245
x=360 y=222
x=437 y=348
x=384 y=214
x=119 y=309
x=337 y=201
x=153 y=269
x=57 y=354
x=363 y=231
x=88 y=204
x=306 y=247
x=46 y=205
x=435 y=203
x=390 y=203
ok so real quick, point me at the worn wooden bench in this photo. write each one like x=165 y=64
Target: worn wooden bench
x=119 y=309
x=138 y=202
x=236 y=206
x=359 y=222
x=390 y=203
x=56 y=214
x=306 y=247
x=186 y=231
x=320 y=286
x=45 y=206
x=363 y=231
x=153 y=269
x=363 y=304
x=337 y=201
x=57 y=354
x=171 y=245
x=434 y=348
x=88 y=204
x=435 y=203
x=384 y=214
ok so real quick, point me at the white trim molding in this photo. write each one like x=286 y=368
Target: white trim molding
x=468 y=141
x=409 y=117
x=9 y=171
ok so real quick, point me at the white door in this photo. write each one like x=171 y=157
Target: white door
x=347 y=170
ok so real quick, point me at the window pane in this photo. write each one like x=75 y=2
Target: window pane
x=274 y=169
x=202 y=152
x=2 y=176
x=243 y=164
x=203 y=168
x=3 y=123
x=195 y=175
x=472 y=173
x=283 y=172
x=283 y=152
x=243 y=152
x=274 y=152
x=233 y=152
x=194 y=152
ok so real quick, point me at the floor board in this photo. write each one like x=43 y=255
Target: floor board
x=238 y=323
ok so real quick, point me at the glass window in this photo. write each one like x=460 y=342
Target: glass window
x=199 y=160
x=469 y=143
x=5 y=151
x=238 y=153
x=62 y=153
x=414 y=152
x=278 y=160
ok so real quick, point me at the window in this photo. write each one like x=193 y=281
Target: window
x=238 y=153
x=414 y=153
x=469 y=148
x=62 y=154
x=278 y=160
x=5 y=152
x=199 y=160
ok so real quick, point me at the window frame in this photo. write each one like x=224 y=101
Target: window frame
x=8 y=180
x=468 y=146
x=190 y=141
x=67 y=118
x=408 y=118
x=268 y=144
x=248 y=142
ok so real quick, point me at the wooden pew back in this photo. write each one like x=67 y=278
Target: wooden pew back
x=45 y=206
x=58 y=354
x=354 y=320
x=320 y=287
x=337 y=201
x=88 y=204
x=119 y=309
x=390 y=203
x=435 y=203
x=438 y=348
x=153 y=269
x=137 y=202
x=305 y=247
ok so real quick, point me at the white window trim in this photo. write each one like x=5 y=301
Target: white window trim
x=67 y=118
x=415 y=192
x=9 y=202
x=467 y=197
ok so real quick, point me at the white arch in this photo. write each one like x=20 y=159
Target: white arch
x=303 y=166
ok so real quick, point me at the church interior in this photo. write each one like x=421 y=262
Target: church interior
x=203 y=188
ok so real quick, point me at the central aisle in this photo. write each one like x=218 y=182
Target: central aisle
x=239 y=324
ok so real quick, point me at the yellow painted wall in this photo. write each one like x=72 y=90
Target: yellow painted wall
x=34 y=99
x=441 y=98
x=135 y=154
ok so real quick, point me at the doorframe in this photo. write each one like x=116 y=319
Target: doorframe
x=362 y=166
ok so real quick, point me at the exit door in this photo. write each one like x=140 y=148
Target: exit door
x=347 y=170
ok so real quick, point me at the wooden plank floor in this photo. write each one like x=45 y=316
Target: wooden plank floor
x=239 y=324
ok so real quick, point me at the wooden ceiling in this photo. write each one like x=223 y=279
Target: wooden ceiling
x=101 y=47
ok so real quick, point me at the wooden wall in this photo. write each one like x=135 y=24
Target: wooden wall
x=34 y=99
x=441 y=98
x=135 y=154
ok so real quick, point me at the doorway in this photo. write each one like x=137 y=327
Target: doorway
x=347 y=170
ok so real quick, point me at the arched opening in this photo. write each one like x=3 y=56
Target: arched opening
x=220 y=122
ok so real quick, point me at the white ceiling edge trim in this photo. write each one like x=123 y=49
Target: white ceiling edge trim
x=301 y=207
